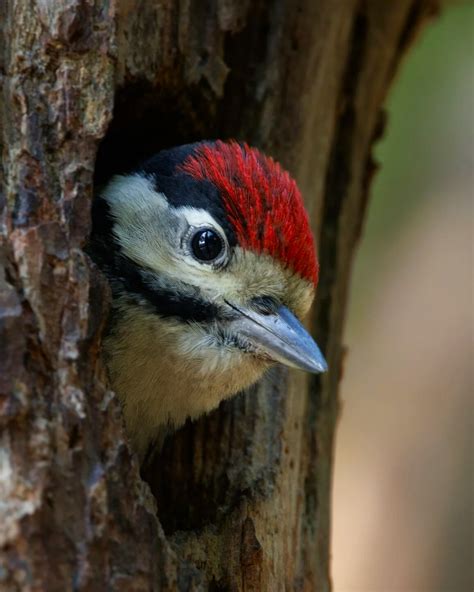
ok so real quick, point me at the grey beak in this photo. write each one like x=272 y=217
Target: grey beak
x=280 y=337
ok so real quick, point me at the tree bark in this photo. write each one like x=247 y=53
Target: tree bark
x=239 y=500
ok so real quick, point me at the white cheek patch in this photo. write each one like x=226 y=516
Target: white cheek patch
x=150 y=231
x=142 y=220
x=129 y=194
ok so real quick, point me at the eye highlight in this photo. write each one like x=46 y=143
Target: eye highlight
x=207 y=245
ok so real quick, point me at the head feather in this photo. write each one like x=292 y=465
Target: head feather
x=262 y=201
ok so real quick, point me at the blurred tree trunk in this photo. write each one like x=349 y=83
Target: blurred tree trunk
x=89 y=87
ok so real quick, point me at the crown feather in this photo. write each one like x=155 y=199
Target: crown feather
x=262 y=201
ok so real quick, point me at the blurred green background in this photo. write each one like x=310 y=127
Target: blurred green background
x=403 y=485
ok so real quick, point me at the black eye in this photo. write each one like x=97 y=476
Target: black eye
x=207 y=245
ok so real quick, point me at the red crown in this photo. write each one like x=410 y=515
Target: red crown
x=262 y=201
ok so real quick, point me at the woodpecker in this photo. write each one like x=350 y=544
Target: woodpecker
x=212 y=266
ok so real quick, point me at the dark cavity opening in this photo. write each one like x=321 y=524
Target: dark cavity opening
x=207 y=467
x=148 y=119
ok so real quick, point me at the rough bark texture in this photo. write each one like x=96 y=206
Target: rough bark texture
x=242 y=497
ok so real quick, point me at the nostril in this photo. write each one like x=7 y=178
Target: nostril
x=266 y=305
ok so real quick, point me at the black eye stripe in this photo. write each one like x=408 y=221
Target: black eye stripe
x=207 y=245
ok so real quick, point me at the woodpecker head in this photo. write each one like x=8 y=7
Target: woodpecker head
x=212 y=263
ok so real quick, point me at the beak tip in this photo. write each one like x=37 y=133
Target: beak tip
x=319 y=366
x=322 y=368
x=282 y=338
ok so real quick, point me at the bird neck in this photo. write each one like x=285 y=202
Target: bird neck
x=165 y=371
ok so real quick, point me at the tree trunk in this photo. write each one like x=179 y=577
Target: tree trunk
x=240 y=498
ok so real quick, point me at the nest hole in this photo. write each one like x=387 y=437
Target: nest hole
x=148 y=119
x=191 y=477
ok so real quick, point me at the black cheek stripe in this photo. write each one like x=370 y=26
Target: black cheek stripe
x=165 y=302
x=126 y=277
